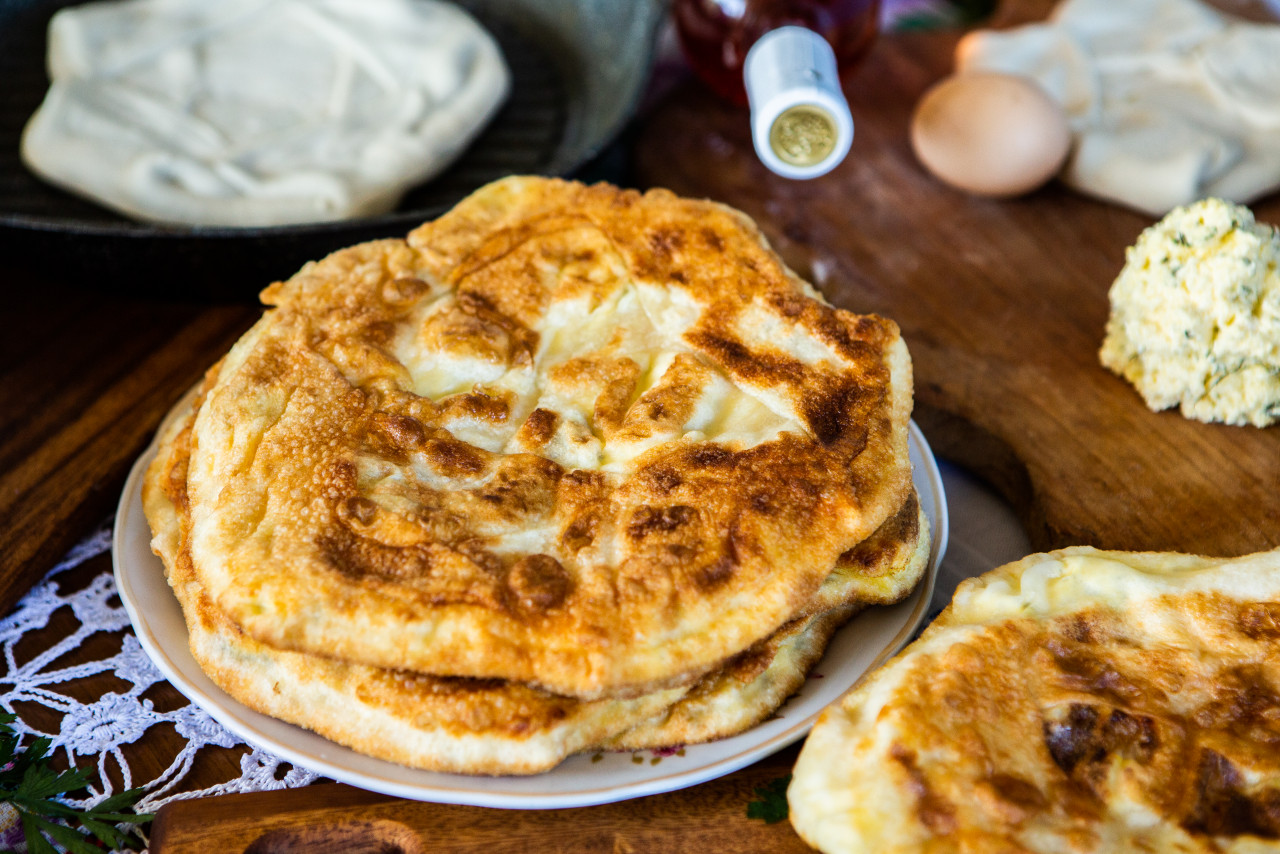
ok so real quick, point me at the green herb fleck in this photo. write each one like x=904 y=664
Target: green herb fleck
x=771 y=807
x=956 y=13
x=30 y=784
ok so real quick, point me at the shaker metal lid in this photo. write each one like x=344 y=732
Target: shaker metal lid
x=800 y=120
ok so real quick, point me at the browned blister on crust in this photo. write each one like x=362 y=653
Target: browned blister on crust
x=1080 y=700
x=478 y=726
x=473 y=726
x=881 y=570
x=574 y=436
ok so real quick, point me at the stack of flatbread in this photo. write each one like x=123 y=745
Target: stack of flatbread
x=571 y=468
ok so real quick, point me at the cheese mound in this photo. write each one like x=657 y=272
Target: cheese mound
x=1195 y=315
x=260 y=112
x=1169 y=101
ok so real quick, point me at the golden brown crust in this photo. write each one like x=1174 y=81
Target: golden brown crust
x=1076 y=701
x=471 y=725
x=570 y=435
x=436 y=723
x=882 y=569
x=743 y=693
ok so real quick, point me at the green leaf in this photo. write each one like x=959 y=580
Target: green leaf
x=36 y=843
x=40 y=806
x=33 y=755
x=41 y=781
x=972 y=11
x=8 y=740
x=72 y=840
x=122 y=817
x=771 y=807
x=36 y=782
x=32 y=786
x=110 y=835
x=116 y=802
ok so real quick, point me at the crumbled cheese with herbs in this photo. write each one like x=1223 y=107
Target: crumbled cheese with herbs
x=1195 y=315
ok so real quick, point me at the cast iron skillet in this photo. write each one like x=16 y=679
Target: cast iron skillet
x=578 y=68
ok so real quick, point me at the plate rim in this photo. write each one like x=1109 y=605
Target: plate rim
x=231 y=714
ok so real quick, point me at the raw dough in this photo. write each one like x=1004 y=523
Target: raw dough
x=260 y=112
x=1170 y=101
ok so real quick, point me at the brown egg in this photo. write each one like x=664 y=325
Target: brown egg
x=990 y=134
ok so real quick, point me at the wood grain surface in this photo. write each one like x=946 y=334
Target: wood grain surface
x=1003 y=305
x=85 y=376
x=331 y=817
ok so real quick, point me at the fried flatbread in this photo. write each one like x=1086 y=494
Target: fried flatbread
x=749 y=690
x=469 y=725
x=579 y=437
x=1079 y=700
x=880 y=570
x=435 y=723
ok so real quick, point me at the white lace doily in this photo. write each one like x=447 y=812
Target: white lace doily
x=95 y=732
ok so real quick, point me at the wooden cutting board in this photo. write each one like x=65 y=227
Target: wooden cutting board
x=1003 y=305
x=330 y=817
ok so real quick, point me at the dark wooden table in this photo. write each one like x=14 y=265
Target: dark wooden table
x=1002 y=304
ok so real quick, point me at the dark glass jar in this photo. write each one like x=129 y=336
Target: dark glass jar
x=716 y=34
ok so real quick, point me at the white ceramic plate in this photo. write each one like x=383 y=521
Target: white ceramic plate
x=862 y=645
